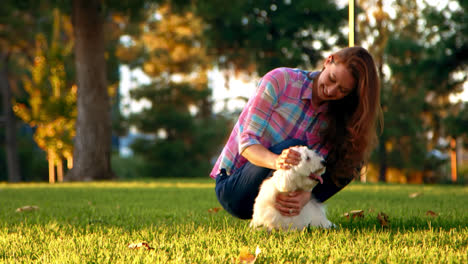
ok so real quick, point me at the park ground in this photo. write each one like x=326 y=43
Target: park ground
x=180 y=221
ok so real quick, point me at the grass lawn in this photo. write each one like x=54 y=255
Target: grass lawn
x=95 y=223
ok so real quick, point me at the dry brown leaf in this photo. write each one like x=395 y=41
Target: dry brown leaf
x=27 y=208
x=246 y=257
x=354 y=214
x=214 y=210
x=414 y=195
x=143 y=245
x=432 y=213
x=383 y=219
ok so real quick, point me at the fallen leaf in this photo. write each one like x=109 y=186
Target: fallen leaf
x=414 y=195
x=432 y=213
x=143 y=245
x=27 y=208
x=246 y=257
x=354 y=214
x=214 y=210
x=383 y=219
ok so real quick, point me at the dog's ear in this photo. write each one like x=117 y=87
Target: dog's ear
x=303 y=150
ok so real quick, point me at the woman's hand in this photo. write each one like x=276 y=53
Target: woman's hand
x=291 y=204
x=287 y=158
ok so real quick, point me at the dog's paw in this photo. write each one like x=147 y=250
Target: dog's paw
x=331 y=226
x=253 y=225
x=323 y=225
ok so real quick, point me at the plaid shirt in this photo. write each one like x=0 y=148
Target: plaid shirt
x=280 y=109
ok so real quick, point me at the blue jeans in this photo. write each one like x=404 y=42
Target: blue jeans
x=237 y=192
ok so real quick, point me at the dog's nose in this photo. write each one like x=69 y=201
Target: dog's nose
x=324 y=163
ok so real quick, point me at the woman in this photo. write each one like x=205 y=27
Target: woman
x=333 y=111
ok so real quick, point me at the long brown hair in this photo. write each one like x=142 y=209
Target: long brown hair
x=351 y=130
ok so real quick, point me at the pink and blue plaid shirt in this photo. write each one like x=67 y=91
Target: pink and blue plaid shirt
x=280 y=109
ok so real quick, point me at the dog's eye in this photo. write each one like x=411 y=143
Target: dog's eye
x=307 y=158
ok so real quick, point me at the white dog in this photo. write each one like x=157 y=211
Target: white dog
x=296 y=178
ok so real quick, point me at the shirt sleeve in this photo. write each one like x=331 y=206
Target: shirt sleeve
x=256 y=116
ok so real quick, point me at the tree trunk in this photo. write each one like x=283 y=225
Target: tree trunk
x=92 y=145
x=9 y=122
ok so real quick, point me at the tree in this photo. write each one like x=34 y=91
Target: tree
x=93 y=124
x=51 y=108
x=446 y=64
x=93 y=128
x=184 y=131
x=257 y=36
x=403 y=142
x=456 y=122
x=8 y=120
x=421 y=64
x=376 y=34
x=16 y=35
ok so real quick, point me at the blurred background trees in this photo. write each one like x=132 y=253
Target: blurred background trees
x=60 y=65
x=20 y=21
x=185 y=132
x=257 y=36
x=424 y=51
x=51 y=95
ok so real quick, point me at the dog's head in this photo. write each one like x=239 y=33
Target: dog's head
x=297 y=177
x=311 y=162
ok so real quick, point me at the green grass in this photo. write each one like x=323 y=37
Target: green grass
x=95 y=222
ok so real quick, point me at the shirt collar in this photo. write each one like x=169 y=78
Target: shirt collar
x=307 y=94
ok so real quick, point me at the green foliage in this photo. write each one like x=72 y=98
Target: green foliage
x=463 y=174
x=130 y=168
x=457 y=121
x=422 y=63
x=31 y=158
x=95 y=222
x=257 y=36
x=187 y=154
x=51 y=106
x=17 y=20
x=184 y=133
x=183 y=142
x=422 y=47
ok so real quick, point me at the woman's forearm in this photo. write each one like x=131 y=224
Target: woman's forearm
x=260 y=156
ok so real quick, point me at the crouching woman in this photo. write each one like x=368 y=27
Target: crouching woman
x=333 y=111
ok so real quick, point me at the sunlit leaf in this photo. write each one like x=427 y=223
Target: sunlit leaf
x=354 y=214
x=27 y=208
x=414 y=195
x=248 y=258
x=214 y=209
x=143 y=245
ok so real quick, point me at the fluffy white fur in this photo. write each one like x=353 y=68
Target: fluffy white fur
x=295 y=178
